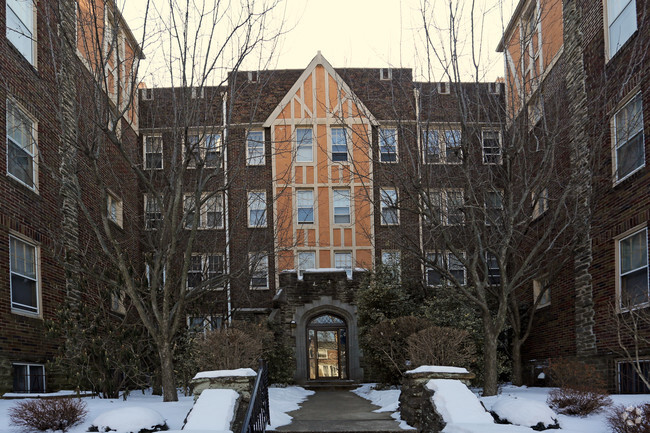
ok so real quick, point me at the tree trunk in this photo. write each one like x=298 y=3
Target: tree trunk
x=490 y=386
x=167 y=373
x=517 y=374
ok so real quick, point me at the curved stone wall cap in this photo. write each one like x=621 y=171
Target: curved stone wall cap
x=240 y=372
x=437 y=369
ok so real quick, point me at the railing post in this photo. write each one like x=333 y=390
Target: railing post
x=258 y=413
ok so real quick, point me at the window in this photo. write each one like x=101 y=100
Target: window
x=491 y=147
x=343 y=260
x=542 y=292
x=306 y=260
x=629 y=148
x=304 y=145
x=535 y=110
x=389 y=212
x=198 y=92
x=431 y=146
x=341 y=201
x=202 y=324
x=29 y=378
x=621 y=23
x=21 y=145
x=257 y=209
x=189 y=210
x=387 y=144
x=436 y=262
x=153 y=152
x=255 y=148
x=114 y=208
x=21 y=27
x=385 y=74
x=204 y=149
x=212 y=216
x=493 y=208
x=152 y=212
x=445 y=207
x=442 y=146
x=540 y=203
x=493 y=270
x=24 y=276
x=452 y=146
x=339 y=145
x=305 y=205
x=443 y=88
x=392 y=260
x=629 y=381
x=259 y=270
x=205 y=269
x=633 y=269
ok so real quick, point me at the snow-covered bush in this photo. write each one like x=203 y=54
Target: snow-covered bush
x=630 y=419
x=129 y=420
x=524 y=412
x=58 y=414
x=438 y=345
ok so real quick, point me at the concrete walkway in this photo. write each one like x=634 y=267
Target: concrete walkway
x=339 y=411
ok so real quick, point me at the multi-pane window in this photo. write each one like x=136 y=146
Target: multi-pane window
x=431 y=146
x=633 y=269
x=255 y=147
x=445 y=207
x=343 y=260
x=306 y=260
x=21 y=146
x=491 y=147
x=304 y=145
x=259 y=270
x=621 y=23
x=257 y=209
x=436 y=262
x=202 y=324
x=212 y=150
x=21 y=27
x=540 y=202
x=339 y=145
x=153 y=152
x=629 y=379
x=387 y=144
x=23 y=266
x=493 y=207
x=205 y=269
x=441 y=146
x=152 y=212
x=452 y=145
x=29 y=378
x=189 y=210
x=392 y=260
x=204 y=148
x=114 y=208
x=305 y=205
x=541 y=292
x=629 y=147
x=212 y=216
x=341 y=199
x=389 y=212
x=493 y=270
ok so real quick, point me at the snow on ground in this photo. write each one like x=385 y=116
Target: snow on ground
x=214 y=410
x=386 y=399
x=284 y=400
x=456 y=403
x=128 y=419
x=523 y=411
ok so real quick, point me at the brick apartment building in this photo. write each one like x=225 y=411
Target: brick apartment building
x=599 y=52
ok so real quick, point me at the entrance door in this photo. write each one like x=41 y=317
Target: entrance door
x=327 y=339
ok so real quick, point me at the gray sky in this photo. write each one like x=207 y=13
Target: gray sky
x=366 y=33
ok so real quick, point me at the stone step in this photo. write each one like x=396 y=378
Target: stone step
x=325 y=385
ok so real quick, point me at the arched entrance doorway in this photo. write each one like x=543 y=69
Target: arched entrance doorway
x=327 y=337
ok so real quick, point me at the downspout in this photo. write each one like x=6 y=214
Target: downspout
x=418 y=139
x=226 y=201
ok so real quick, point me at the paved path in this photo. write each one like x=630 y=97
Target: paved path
x=339 y=411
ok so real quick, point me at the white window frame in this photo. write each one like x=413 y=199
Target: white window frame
x=150 y=223
x=304 y=203
x=23 y=116
x=384 y=196
x=444 y=213
x=257 y=202
x=15 y=306
x=303 y=146
x=201 y=151
x=393 y=260
x=491 y=259
x=255 y=154
x=488 y=207
x=538 y=286
x=256 y=260
x=643 y=230
x=386 y=74
x=303 y=261
x=637 y=97
x=347 y=258
x=207 y=323
x=114 y=208
x=340 y=205
x=438 y=138
x=29 y=366
x=492 y=158
x=213 y=204
x=339 y=131
x=148 y=150
x=205 y=260
x=382 y=134
x=190 y=207
x=447 y=260
x=14 y=35
x=630 y=26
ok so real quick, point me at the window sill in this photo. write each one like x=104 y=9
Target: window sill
x=629 y=175
x=257 y=289
x=28 y=314
x=257 y=227
x=33 y=189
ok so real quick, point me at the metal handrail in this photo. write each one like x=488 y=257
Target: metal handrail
x=258 y=414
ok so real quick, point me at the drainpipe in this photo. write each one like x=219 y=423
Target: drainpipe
x=226 y=202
